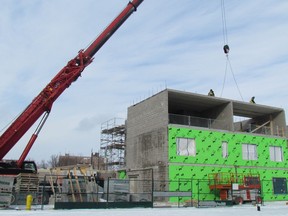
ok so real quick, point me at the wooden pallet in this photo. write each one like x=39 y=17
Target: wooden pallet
x=27 y=182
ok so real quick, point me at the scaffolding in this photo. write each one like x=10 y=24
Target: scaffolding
x=112 y=147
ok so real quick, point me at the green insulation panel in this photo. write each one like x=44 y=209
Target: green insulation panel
x=208 y=159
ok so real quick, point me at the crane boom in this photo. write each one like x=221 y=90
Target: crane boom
x=42 y=103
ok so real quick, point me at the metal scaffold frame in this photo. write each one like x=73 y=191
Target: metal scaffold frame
x=112 y=147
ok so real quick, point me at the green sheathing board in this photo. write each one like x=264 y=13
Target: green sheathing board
x=122 y=174
x=209 y=160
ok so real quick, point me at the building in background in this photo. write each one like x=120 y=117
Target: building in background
x=95 y=160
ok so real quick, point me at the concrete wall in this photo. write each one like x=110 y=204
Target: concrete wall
x=146 y=138
x=223 y=115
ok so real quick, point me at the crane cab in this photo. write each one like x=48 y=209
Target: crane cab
x=9 y=167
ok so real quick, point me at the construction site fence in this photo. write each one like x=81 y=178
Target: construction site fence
x=81 y=193
x=19 y=198
x=73 y=193
x=203 y=193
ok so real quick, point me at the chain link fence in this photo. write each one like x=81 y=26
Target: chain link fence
x=83 y=192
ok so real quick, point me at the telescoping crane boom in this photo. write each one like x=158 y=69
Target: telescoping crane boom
x=42 y=104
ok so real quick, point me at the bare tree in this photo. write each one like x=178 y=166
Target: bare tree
x=43 y=164
x=54 y=161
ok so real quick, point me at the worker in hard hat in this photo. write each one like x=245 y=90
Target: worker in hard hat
x=252 y=100
x=211 y=93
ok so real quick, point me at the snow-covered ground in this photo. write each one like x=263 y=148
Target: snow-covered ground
x=275 y=209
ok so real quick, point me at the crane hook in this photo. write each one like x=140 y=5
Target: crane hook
x=226 y=49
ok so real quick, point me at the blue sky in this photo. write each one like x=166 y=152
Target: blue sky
x=174 y=44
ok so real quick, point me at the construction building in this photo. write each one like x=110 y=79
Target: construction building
x=221 y=145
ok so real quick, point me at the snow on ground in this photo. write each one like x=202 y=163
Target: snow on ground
x=279 y=209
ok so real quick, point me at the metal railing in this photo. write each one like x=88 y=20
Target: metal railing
x=224 y=125
x=266 y=130
x=198 y=122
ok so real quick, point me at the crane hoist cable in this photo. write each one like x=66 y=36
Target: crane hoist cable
x=226 y=50
x=224 y=26
x=228 y=62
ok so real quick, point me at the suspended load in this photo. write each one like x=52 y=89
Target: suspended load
x=226 y=49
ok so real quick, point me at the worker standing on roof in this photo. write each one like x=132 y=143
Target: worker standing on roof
x=252 y=100
x=211 y=93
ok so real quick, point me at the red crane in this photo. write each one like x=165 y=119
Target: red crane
x=42 y=104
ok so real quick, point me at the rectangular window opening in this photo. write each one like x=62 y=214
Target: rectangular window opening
x=249 y=152
x=276 y=153
x=225 y=149
x=186 y=147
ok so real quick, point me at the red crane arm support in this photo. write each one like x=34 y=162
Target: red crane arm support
x=70 y=73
